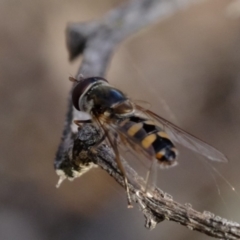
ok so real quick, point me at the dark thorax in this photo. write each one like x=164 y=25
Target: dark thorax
x=109 y=103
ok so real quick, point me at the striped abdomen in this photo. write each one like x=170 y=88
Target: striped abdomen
x=151 y=138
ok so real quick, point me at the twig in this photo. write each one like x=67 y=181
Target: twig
x=97 y=41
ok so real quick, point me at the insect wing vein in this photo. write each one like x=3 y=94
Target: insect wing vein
x=187 y=140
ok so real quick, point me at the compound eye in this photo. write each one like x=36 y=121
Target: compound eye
x=76 y=94
x=82 y=87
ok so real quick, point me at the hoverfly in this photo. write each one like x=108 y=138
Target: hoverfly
x=141 y=130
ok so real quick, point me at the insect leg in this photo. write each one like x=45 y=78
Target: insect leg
x=113 y=144
x=79 y=122
x=150 y=172
x=118 y=160
x=120 y=166
x=98 y=142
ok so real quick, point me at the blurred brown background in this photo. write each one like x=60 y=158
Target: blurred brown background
x=187 y=66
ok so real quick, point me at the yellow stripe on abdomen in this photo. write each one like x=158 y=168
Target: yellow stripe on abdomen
x=163 y=134
x=150 y=122
x=134 y=129
x=147 y=141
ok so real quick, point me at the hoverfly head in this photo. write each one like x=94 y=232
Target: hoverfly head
x=81 y=89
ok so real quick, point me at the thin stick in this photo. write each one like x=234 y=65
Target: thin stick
x=97 y=41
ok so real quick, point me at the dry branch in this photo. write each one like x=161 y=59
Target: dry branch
x=96 y=41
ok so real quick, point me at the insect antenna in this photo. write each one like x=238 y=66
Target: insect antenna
x=72 y=79
x=75 y=80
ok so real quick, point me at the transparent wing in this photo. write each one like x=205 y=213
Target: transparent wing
x=145 y=105
x=187 y=140
x=142 y=161
x=125 y=148
x=128 y=144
